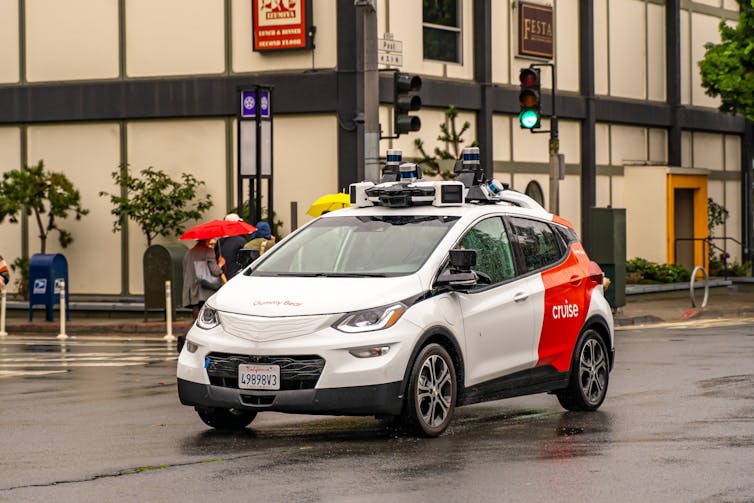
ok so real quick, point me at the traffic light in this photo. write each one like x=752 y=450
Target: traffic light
x=406 y=99
x=529 y=98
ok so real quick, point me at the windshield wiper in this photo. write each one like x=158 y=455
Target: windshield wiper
x=356 y=275
x=327 y=274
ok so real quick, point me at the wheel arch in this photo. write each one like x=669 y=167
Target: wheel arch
x=443 y=337
x=600 y=325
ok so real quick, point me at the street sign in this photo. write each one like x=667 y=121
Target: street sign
x=390 y=59
x=389 y=51
x=389 y=45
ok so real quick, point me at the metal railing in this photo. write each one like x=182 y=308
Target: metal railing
x=707 y=244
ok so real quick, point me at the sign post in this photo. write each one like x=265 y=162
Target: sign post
x=255 y=149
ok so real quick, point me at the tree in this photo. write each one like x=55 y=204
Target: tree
x=727 y=69
x=43 y=194
x=453 y=139
x=159 y=205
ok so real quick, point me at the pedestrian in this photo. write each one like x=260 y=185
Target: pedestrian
x=202 y=272
x=261 y=241
x=4 y=274
x=228 y=249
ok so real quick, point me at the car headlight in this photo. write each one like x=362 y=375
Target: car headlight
x=207 y=318
x=369 y=320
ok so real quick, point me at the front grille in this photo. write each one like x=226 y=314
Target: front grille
x=261 y=329
x=296 y=372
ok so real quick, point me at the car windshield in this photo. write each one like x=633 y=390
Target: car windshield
x=358 y=246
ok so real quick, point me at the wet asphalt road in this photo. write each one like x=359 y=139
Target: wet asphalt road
x=677 y=425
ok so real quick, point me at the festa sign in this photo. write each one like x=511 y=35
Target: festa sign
x=281 y=24
x=535 y=30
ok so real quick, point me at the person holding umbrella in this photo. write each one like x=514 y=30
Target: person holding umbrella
x=227 y=248
x=202 y=270
x=201 y=274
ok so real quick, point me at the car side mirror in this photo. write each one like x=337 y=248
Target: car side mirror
x=462 y=259
x=458 y=275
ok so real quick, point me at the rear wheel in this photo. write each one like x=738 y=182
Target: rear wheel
x=590 y=374
x=226 y=419
x=432 y=389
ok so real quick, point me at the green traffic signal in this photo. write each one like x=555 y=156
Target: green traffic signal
x=529 y=98
x=528 y=119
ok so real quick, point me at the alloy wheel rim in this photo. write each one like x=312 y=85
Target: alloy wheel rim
x=593 y=371
x=434 y=391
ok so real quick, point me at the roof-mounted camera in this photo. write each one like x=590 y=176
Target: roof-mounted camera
x=402 y=184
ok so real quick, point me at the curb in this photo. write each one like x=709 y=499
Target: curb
x=637 y=320
x=692 y=314
x=741 y=312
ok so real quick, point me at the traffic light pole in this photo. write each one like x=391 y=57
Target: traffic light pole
x=556 y=161
x=371 y=100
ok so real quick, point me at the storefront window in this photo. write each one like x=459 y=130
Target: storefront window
x=442 y=30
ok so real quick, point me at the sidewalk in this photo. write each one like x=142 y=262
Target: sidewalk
x=645 y=304
x=732 y=299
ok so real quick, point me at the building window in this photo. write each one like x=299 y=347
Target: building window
x=442 y=30
x=534 y=190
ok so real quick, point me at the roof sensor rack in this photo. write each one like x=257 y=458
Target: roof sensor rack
x=403 y=185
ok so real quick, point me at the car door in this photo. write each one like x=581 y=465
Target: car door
x=559 y=294
x=497 y=312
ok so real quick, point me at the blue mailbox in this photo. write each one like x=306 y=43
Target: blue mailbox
x=46 y=270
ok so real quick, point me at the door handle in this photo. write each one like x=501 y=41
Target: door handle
x=520 y=297
x=575 y=280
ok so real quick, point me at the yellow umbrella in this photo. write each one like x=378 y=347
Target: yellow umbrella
x=329 y=202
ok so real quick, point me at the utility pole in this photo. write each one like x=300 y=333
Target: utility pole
x=371 y=98
x=555 y=166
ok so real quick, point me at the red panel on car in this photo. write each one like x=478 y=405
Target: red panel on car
x=568 y=291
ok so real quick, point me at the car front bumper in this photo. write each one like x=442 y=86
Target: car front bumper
x=319 y=372
x=354 y=400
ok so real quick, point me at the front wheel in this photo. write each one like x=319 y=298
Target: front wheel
x=226 y=419
x=432 y=388
x=590 y=374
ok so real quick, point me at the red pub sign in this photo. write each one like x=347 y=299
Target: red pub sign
x=281 y=24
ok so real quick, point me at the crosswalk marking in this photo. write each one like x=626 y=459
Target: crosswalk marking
x=43 y=355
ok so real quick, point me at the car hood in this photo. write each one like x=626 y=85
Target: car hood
x=302 y=296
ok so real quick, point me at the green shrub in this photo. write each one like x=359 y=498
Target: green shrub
x=658 y=273
x=739 y=270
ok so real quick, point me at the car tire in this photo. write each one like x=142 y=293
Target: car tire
x=432 y=391
x=226 y=419
x=590 y=374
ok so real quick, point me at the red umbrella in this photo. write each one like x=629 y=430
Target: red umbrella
x=218 y=229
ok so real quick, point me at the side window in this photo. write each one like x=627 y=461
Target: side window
x=493 y=251
x=538 y=242
x=569 y=235
x=441 y=30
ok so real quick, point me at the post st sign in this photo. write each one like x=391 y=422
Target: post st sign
x=535 y=30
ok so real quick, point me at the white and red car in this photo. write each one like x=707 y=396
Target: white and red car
x=399 y=307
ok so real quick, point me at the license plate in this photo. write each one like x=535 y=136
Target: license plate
x=258 y=376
